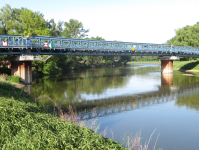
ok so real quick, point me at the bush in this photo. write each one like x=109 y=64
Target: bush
x=15 y=79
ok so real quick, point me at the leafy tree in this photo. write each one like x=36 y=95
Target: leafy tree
x=33 y=23
x=96 y=38
x=9 y=20
x=55 y=29
x=187 y=36
x=72 y=29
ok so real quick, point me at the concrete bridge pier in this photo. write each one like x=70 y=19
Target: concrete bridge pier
x=22 y=69
x=22 y=66
x=167 y=64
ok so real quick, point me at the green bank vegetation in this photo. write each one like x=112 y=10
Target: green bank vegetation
x=186 y=65
x=15 y=79
x=25 y=125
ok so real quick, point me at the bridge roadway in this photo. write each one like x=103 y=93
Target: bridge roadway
x=120 y=104
x=42 y=45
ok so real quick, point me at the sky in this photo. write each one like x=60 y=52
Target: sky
x=142 y=21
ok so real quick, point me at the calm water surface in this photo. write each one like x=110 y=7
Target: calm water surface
x=131 y=98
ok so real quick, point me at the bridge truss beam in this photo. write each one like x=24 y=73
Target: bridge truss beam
x=41 y=45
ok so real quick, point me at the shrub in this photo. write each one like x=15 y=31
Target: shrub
x=15 y=79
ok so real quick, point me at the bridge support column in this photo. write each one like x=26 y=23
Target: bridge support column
x=22 y=66
x=22 y=69
x=167 y=64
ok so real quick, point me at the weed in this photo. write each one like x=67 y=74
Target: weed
x=134 y=142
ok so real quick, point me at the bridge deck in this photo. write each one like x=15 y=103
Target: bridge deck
x=18 y=44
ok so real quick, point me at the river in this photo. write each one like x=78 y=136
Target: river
x=129 y=99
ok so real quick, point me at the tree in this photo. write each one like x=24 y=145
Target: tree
x=33 y=23
x=72 y=29
x=187 y=36
x=9 y=20
x=55 y=29
x=96 y=38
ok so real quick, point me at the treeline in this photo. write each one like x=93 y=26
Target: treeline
x=186 y=36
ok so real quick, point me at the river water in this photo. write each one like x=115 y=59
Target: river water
x=129 y=99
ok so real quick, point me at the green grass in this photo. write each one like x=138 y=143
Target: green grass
x=186 y=65
x=25 y=125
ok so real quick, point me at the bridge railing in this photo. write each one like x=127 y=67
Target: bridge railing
x=19 y=41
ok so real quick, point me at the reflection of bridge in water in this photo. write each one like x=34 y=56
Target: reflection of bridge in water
x=109 y=106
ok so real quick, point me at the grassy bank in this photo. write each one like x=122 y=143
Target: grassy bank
x=186 y=65
x=25 y=125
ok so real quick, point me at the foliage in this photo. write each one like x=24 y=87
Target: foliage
x=187 y=36
x=15 y=79
x=33 y=23
x=9 y=20
x=144 y=58
x=55 y=29
x=50 y=68
x=22 y=21
x=72 y=29
x=25 y=125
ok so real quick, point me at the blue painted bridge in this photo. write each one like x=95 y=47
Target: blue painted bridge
x=43 y=45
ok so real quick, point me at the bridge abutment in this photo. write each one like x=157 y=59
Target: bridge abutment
x=22 y=66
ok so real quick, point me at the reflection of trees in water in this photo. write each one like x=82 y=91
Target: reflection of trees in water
x=179 y=79
x=191 y=102
x=68 y=89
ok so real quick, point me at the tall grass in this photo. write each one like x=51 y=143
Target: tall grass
x=132 y=142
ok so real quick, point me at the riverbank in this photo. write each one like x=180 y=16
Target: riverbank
x=186 y=66
x=24 y=124
x=144 y=62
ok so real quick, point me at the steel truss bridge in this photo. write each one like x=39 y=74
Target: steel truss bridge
x=43 y=45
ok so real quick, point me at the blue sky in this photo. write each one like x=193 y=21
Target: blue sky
x=144 y=21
